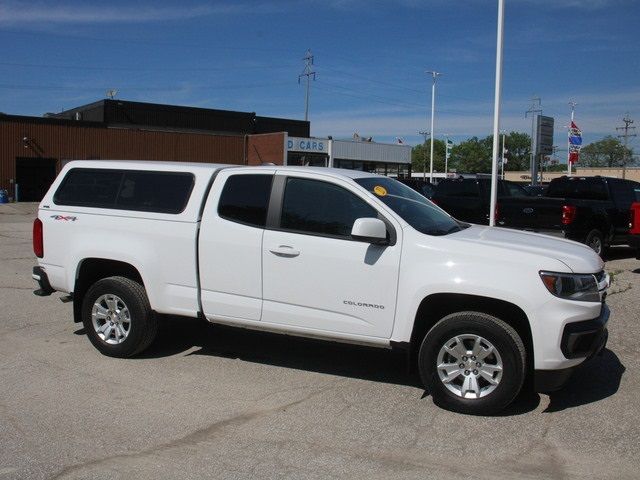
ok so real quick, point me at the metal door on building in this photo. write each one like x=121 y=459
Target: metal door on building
x=34 y=176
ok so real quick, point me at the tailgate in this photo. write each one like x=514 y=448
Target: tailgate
x=532 y=213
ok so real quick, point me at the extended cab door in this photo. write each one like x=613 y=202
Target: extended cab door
x=316 y=277
x=230 y=244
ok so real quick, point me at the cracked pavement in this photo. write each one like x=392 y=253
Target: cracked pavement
x=217 y=402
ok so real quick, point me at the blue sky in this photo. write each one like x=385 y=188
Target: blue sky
x=370 y=58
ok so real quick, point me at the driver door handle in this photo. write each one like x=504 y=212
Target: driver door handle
x=284 y=251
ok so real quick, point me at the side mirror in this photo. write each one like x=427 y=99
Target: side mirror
x=372 y=230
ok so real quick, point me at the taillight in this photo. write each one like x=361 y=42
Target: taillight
x=568 y=214
x=38 y=241
x=496 y=213
x=634 y=221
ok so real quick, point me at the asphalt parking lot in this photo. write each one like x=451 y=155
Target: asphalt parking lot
x=215 y=402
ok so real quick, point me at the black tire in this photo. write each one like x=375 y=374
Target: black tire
x=142 y=327
x=595 y=240
x=505 y=340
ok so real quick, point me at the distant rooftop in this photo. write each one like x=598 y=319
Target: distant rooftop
x=126 y=114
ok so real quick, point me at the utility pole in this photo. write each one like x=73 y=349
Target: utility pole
x=572 y=104
x=434 y=76
x=425 y=134
x=307 y=72
x=535 y=108
x=627 y=122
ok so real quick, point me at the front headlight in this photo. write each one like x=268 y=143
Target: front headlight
x=571 y=286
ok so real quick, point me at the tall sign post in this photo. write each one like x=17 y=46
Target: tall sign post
x=544 y=142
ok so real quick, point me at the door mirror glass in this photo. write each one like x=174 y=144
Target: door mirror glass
x=372 y=230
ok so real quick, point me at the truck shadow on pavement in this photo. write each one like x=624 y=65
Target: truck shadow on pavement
x=596 y=380
x=599 y=379
x=619 y=253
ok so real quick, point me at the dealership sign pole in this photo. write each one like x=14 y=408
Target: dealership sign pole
x=496 y=116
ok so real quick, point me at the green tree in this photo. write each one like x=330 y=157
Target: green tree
x=421 y=152
x=472 y=156
x=518 y=146
x=608 y=152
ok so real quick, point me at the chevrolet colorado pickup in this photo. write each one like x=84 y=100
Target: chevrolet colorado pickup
x=333 y=254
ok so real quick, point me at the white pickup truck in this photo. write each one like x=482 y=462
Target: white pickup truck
x=333 y=254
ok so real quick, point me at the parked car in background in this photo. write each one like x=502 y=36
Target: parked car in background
x=467 y=199
x=423 y=187
x=590 y=210
x=536 y=190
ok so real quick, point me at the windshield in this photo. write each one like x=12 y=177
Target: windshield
x=415 y=209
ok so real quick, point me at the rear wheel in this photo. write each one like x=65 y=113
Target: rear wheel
x=595 y=240
x=472 y=363
x=118 y=318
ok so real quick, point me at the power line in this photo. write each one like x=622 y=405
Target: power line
x=138 y=68
x=140 y=87
x=129 y=41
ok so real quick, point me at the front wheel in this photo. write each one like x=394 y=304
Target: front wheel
x=118 y=318
x=472 y=363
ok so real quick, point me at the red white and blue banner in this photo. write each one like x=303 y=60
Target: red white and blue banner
x=575 y=143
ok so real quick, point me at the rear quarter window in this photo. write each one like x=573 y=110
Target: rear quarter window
x=579 y=188
x=245 y=199
x=135 y=190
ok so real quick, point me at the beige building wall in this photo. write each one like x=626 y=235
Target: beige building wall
x=632 y=173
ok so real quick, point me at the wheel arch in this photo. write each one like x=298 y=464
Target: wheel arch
x=436 y=306
x=90 y=270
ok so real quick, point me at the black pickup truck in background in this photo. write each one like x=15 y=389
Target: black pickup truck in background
x=467 y=199
x=591 y=210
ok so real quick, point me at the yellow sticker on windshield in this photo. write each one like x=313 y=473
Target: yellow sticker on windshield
x=380 y=191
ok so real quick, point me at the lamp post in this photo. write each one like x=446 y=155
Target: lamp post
x=424 y=134
x=434 y=76
x=504 y=134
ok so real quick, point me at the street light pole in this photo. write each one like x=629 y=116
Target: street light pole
x=496 y=116
x=446 y=154
x=424 y=155
x=434 y=75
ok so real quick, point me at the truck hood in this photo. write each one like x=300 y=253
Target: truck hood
x=576 y=256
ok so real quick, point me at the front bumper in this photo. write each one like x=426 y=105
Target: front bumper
x=583 y=339
x=40 y=276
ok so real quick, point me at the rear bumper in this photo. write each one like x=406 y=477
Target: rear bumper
x=579 y=339
x=634 y=242
x=40 y=276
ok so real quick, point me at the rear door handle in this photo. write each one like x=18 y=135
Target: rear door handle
x=284 y=251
